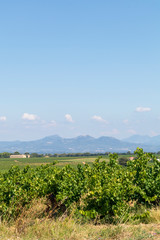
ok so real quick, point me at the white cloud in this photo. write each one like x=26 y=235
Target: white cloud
x=132 y=131
x=52 y=123
x=125 y=121
x=68 y=118
x=99 y=119
x=47 y=124
x=153 y=133
x=115 y=131
x=111 y=132
x=3 y=118
x=28 y=116
x=143 y=109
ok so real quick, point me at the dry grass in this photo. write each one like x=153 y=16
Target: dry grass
x=34 y=224
x=69 y=230
x=155 y=215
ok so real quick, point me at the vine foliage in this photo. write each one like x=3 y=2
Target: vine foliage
x=104 y=190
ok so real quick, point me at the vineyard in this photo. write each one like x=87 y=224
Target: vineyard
x=103 y=192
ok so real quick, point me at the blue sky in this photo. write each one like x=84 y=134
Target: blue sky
x=79 y=68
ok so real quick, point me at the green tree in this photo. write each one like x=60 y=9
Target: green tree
x=16 y=153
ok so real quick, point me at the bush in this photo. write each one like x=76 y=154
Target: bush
x=102 y=191
x=123 y=161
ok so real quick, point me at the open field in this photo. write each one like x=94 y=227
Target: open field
x=7 y=163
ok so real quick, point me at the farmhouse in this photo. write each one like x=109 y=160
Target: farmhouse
x=20 y=156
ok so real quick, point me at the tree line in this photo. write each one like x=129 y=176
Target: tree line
x=56 y=155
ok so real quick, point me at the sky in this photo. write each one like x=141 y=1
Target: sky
x=77 y=67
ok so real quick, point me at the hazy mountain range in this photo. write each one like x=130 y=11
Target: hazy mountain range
x=144 y=139
x=57 y=144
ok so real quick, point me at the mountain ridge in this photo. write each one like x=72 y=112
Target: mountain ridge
x=143 y=139
x=57 y=144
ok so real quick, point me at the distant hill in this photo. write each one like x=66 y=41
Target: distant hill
x=56 y=144
x=137 y=139
x=154 y=141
